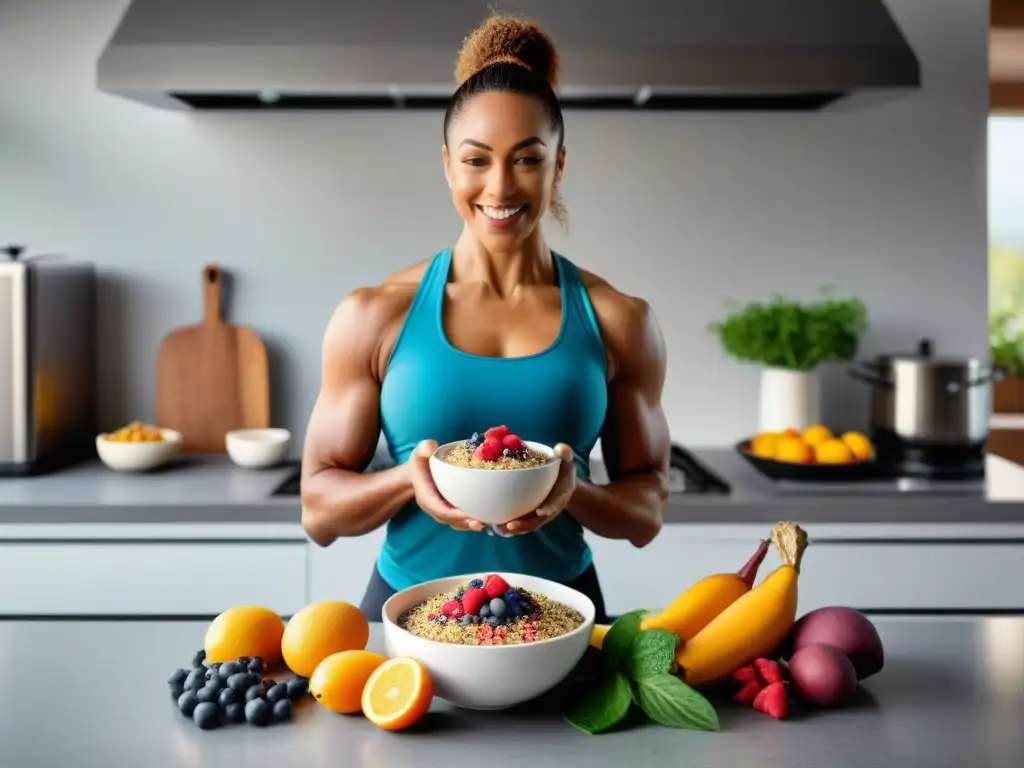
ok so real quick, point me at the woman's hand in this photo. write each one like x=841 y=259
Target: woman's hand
x=428 y=498
x=556 y=501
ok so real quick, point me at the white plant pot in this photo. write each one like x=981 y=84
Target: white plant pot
x=789 y=399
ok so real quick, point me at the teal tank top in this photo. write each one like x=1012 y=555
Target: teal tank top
x=431 y=391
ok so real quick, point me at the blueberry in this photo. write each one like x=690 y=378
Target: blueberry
x=282 y=711
x=211 y=673
x=253 y=692
x=476 y=619
x=257 y=712
x=466 y=620
x=508 y=453
x=206 y=694
x=268 y=683
x=176 y=691
x=510 y=619
x=477 y=583
x=214 y=684
x=492 y=621
x=199 y=658
x=510 y=595
x=485 y=611
x=206 y=715
x=234 y=712
x=178 y=677
x=297 y=688
x=239 y=681
x=227 y=669
x=497 y=606
x=278 y=692
x=196 y=679
x=187 y=702
x=243 y=661
x=256 y=665
x=227 y=696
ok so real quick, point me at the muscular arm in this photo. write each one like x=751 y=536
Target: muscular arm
x=338 y=499
x=635 y=440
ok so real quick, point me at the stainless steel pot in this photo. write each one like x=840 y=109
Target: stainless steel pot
x=923 y=399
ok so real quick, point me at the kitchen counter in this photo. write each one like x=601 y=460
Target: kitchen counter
x=212 y=490
x=951 y=694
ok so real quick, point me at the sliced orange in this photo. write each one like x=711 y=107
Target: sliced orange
x=397 y=694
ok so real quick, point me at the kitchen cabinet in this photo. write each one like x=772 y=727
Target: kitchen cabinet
x=150 y=578
x=342 y=570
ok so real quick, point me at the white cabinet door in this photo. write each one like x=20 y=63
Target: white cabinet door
x=150 y=578
x=341 y=571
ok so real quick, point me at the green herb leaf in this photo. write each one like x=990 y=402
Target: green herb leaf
x=667 y=700
x=653 y=653
x=618 y=643
x=602 y=706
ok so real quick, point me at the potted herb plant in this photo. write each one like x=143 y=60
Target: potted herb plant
x=790 y=340
x=1006 y=344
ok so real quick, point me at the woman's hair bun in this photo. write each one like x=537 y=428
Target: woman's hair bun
x=505 y=38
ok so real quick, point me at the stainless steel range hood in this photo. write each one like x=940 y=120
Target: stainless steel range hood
x=372 y=54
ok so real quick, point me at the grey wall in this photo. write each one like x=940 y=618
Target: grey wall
x=1006 y=180
x=683 y=209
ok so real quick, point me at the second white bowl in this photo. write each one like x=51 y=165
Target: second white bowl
x=257 y=448
x=494 y=496
x=138 y=457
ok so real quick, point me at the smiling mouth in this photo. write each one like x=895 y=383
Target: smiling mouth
x=502 y=213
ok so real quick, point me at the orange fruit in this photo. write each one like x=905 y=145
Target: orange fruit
x=791 y=433
x=765 y=444
x=794 y=449
x=398 y=693
x=859 y=445
x=338 y=680
x=816 y=434
x=319 y=630
x=833 y=451
x=245 y=630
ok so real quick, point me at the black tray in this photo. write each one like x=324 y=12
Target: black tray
x=786 y=470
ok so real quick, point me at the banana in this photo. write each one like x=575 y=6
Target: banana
x=597 y=635
x=695 y=608
x=752 y=626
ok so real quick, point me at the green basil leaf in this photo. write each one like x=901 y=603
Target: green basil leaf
x=618 y=643
x=602 y=706
x=653 y=653
x=667 y=700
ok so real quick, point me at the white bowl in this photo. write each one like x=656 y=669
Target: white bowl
x=490 y=676
x=494 y=496
x=138 y=457
x=257 y=448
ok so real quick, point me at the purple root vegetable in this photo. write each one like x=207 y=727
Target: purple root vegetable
x=846 y=629
x=823 y=675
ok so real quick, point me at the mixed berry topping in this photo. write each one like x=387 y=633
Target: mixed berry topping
x=496 y=443
x=490 y=605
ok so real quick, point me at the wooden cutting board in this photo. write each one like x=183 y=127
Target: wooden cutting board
x=212 y=377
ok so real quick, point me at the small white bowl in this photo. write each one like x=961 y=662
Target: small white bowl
x=138 y=457
x=494 y=496
x=257 y=448
x=490 y=676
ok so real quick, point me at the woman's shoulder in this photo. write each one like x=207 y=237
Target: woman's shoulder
x=391 y=296
x=612 y=306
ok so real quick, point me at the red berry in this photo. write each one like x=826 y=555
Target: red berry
x=488 y=450
x=748 y=692
x=768 y=671
x=495 y=586
x=772 y=701
x=529 y=637
x=486 y=631
x=512 y=442
x=431 y=616
x=449 y=608
x=745 y=674
x=472 y=599
x=497 y=433
x=533 y=617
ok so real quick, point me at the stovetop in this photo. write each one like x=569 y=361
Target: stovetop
x=687 y=475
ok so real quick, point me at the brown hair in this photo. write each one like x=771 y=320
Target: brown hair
x=509 y=55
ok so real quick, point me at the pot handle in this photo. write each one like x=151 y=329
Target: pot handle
x=995 y=374
x=866 y=375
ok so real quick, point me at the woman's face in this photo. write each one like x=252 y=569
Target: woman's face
x=502 y=162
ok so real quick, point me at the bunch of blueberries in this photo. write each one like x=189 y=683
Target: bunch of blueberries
x=233 y=692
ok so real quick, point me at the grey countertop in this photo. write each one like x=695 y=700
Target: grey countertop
x=95 y=693
x=213 y=490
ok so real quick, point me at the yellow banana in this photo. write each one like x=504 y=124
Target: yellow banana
x=695 y=608
x=752 y=626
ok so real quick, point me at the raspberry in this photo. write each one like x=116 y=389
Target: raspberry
x=748 y=692
x=745 y=674
x=772 y=701
x=495 y=586
x=529 y=637
x=450 y=608
x=489 y=450
x=472 y=599
x=512 y=442
x=497 y=433
x=768 y=671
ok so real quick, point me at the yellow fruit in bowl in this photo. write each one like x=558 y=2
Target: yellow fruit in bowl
x=338 y=681
x=833 y=451
x=859 y=445
x=791 y=432
x=765 y=444
x=320 y=630
x=245 y=630
x=816 y=434
x=795 y=450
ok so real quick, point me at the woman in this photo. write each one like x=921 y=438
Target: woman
x=496 y=330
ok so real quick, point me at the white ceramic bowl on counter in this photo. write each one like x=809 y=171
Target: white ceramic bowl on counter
x=490 y=676
x=494 y=496
x=124 y=456
x=257 y=448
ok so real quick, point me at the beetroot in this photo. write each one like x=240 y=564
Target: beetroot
x=823 y=675
x=846 y=629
